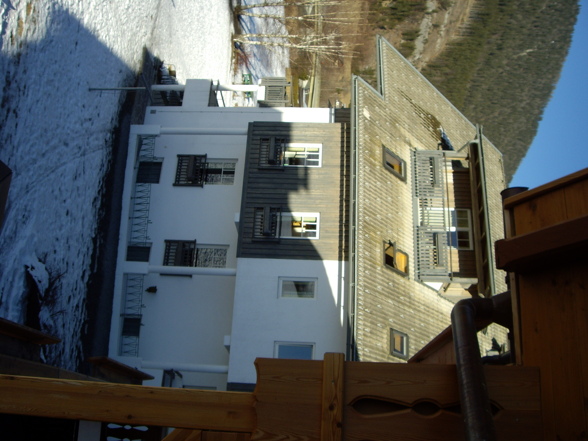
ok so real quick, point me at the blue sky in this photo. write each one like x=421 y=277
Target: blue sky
x=561 y=146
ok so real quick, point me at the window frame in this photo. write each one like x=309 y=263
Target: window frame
x=304 y=224
x=303 y=145
x=227 y=173
x=276 y=150
x=389 y=158
x=455 y=229
x=395 y=258
x=295 y=280
x=278 y=344
x=403 y=352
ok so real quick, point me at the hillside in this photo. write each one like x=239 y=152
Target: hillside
x=498 y=61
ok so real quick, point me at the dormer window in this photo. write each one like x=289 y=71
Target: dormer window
x=394 y=164
x=395 y=259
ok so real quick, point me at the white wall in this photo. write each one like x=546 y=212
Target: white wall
x=186 y=321
x=261 y=317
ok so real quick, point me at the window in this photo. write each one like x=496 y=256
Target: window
x=179 y=253
x=269 y=223
x=398 y=344
x=297 y=351
x=302 y=155
x=275 y=151
x=271 y=150
x=299 y=226
x=395 y=259
x=394 y=163
x=149 y=172
x=460 y=233
x=138 y=252
x=266 y=223
x=301 y=288
x=220 y=172
x=187 y=253
x=191 y=170
x=196 y=170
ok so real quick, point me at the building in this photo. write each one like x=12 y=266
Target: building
x=290 y=232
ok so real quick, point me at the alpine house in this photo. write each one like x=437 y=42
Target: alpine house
x=290 y=232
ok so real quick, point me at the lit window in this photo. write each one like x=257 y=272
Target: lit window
x=395 y=259
x=398 y=343
x=299 y=226
x=394 y=163
x=297 y=351
x=297 y=288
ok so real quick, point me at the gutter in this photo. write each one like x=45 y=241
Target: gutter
x=465 y=319
x=353 y=218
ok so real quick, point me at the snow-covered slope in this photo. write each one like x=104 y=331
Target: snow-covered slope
x=56 y=135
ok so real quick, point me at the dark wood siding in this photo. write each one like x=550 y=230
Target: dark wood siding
x=296 y=189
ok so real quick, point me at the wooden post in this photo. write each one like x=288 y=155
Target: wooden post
x=332 y=402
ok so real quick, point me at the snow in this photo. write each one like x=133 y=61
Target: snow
x=56 y=134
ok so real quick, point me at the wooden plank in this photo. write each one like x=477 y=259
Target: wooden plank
x=332 y=401
x=288 y=399
x=184 y=435
x=533 y=215
x=534 y=193
x=576 y=197
x=547 y=246
x=388 y=401
x=421 y=402
x=25 y=333
x=210 y=435
x=551 y=342
x=127 y=404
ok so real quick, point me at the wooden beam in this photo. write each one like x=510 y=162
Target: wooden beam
x=332 y=402
x=127 y=404
x=544 y=248
x=184 y=435
x=24 y=333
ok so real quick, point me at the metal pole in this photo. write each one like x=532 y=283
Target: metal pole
x=92 y=89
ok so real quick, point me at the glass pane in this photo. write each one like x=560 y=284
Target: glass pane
x=301 y=289
x=298 y=352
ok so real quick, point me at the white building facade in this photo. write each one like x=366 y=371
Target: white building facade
x=187 y=308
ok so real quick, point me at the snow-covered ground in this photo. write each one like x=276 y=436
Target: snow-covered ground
x=55 y=134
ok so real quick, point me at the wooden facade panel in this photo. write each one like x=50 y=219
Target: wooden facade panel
x=319 y=190
x=553 y=321
x=550 y=299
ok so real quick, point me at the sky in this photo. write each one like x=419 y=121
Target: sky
x=560 y=146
